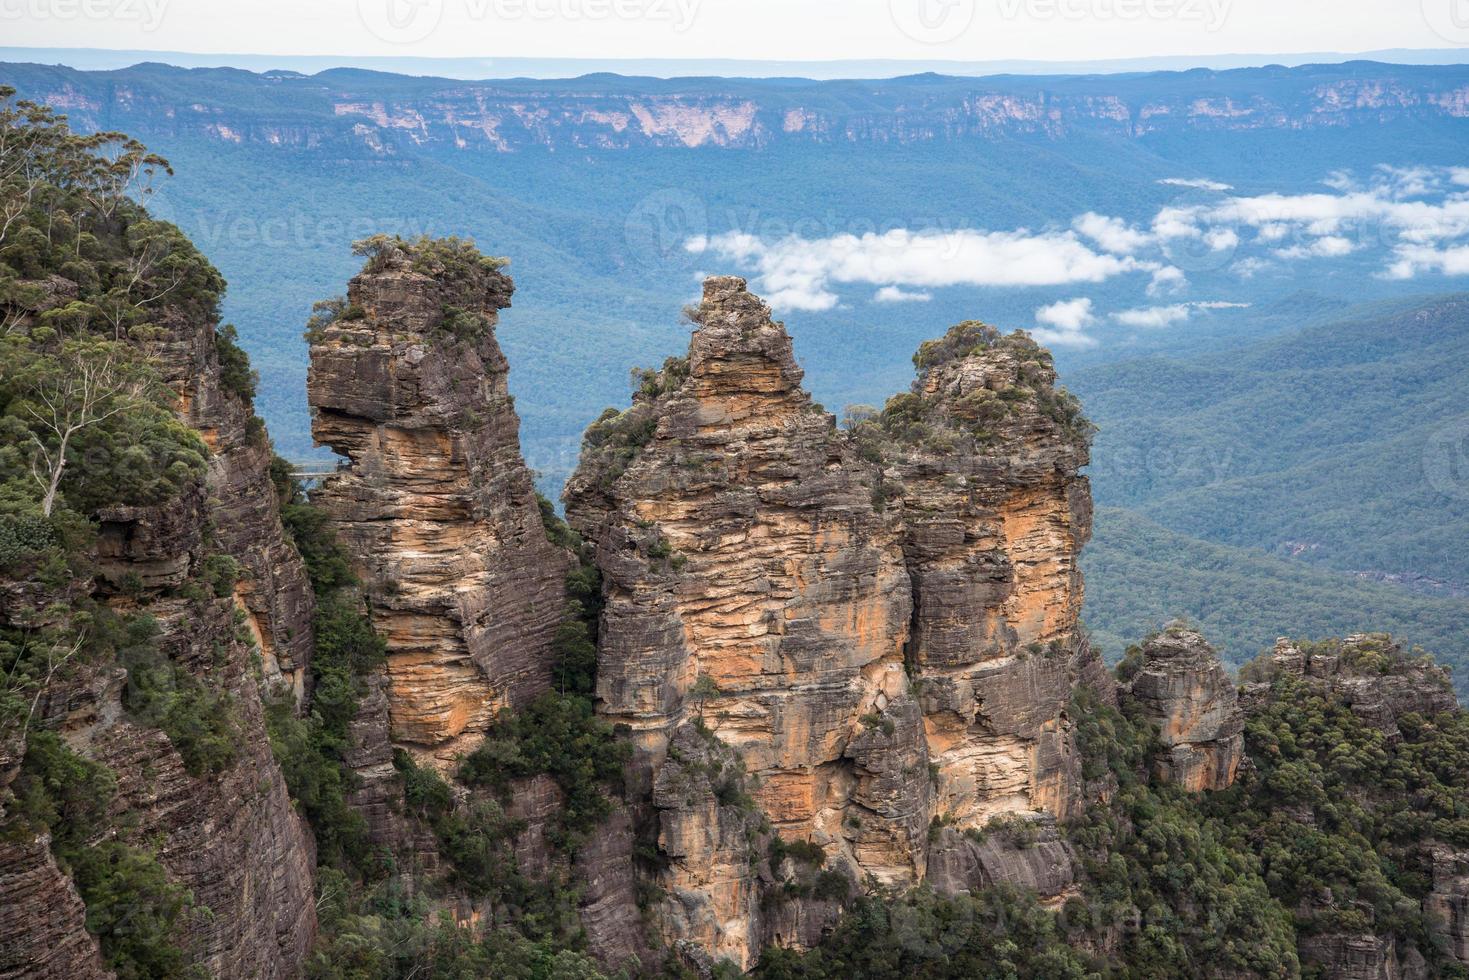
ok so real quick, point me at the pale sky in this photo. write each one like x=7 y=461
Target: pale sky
x=970 y=30
x=796 y=30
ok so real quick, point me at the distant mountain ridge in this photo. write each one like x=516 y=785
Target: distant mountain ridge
x=385 y=114
x=101 y=59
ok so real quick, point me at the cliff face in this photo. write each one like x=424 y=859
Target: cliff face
x=42 y=917
x=230 y=836
x=244 y=507
x=1183 y=689
x=437 y=506
x=885 y=638
x=750 y=578
x=385 y=116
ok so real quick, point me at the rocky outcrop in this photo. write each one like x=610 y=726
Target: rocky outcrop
x=1447 y=904
x=983 y=454
x=437 y=507
x=244 y=506
x=751 y=578
x=1361 y=956
x=881 y=627
x=234 y=839
x=1026 y=852
x=1371 y=674
x=1180 y=685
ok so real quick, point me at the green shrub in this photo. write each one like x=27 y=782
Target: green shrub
x=235 y=374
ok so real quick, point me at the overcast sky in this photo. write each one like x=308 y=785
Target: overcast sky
x=758 y=29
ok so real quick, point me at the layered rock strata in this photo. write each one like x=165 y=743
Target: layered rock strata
x=1182 y=687
x=881 y=629
x=437 y=506
x=244 y=506
x=984 y=454
x=230 y=837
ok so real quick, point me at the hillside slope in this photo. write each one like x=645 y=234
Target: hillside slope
x=1140 y=575
x=1341 y=445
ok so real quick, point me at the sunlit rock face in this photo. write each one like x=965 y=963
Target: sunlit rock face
x=880 y=629
x=437 y=506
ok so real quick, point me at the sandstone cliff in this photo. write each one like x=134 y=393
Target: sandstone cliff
x=1180 y=685
x=225 y=831
x=367 y=114
x=880 y=625
x=437 y=507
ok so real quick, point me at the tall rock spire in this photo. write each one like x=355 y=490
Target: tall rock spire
x=436 y=505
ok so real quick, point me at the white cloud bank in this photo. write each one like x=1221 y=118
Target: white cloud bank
x=1416 y=218
x=800 y=273
x=1199 y=183
x=1153 y=317
x=897 y=294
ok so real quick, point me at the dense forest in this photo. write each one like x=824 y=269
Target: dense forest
x=1141 y=574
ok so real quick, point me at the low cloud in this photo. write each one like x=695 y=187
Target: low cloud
x=897 y=294
x=1199 y=183
x=800 y=273
x=1413 y=259
x=1416 y=218
x=1154 y=317
x=1112 y=234
x=1064 y=323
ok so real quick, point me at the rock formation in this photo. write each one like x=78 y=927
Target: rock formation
x=881 y=628
x=1181 y=687
x=42 y=918
x=437 y=507
x=984 y=456
x=1369 y=673
x=244 y=506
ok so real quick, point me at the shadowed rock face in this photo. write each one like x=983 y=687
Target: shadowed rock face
x=43 y=918
x=1185 y=691
x=882 y=632
x=231 y=838
x=437 y=507
x=273 y=590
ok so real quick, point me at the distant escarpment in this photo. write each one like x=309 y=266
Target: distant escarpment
x=869 y=635
x=394 y=116
x=436 y=506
